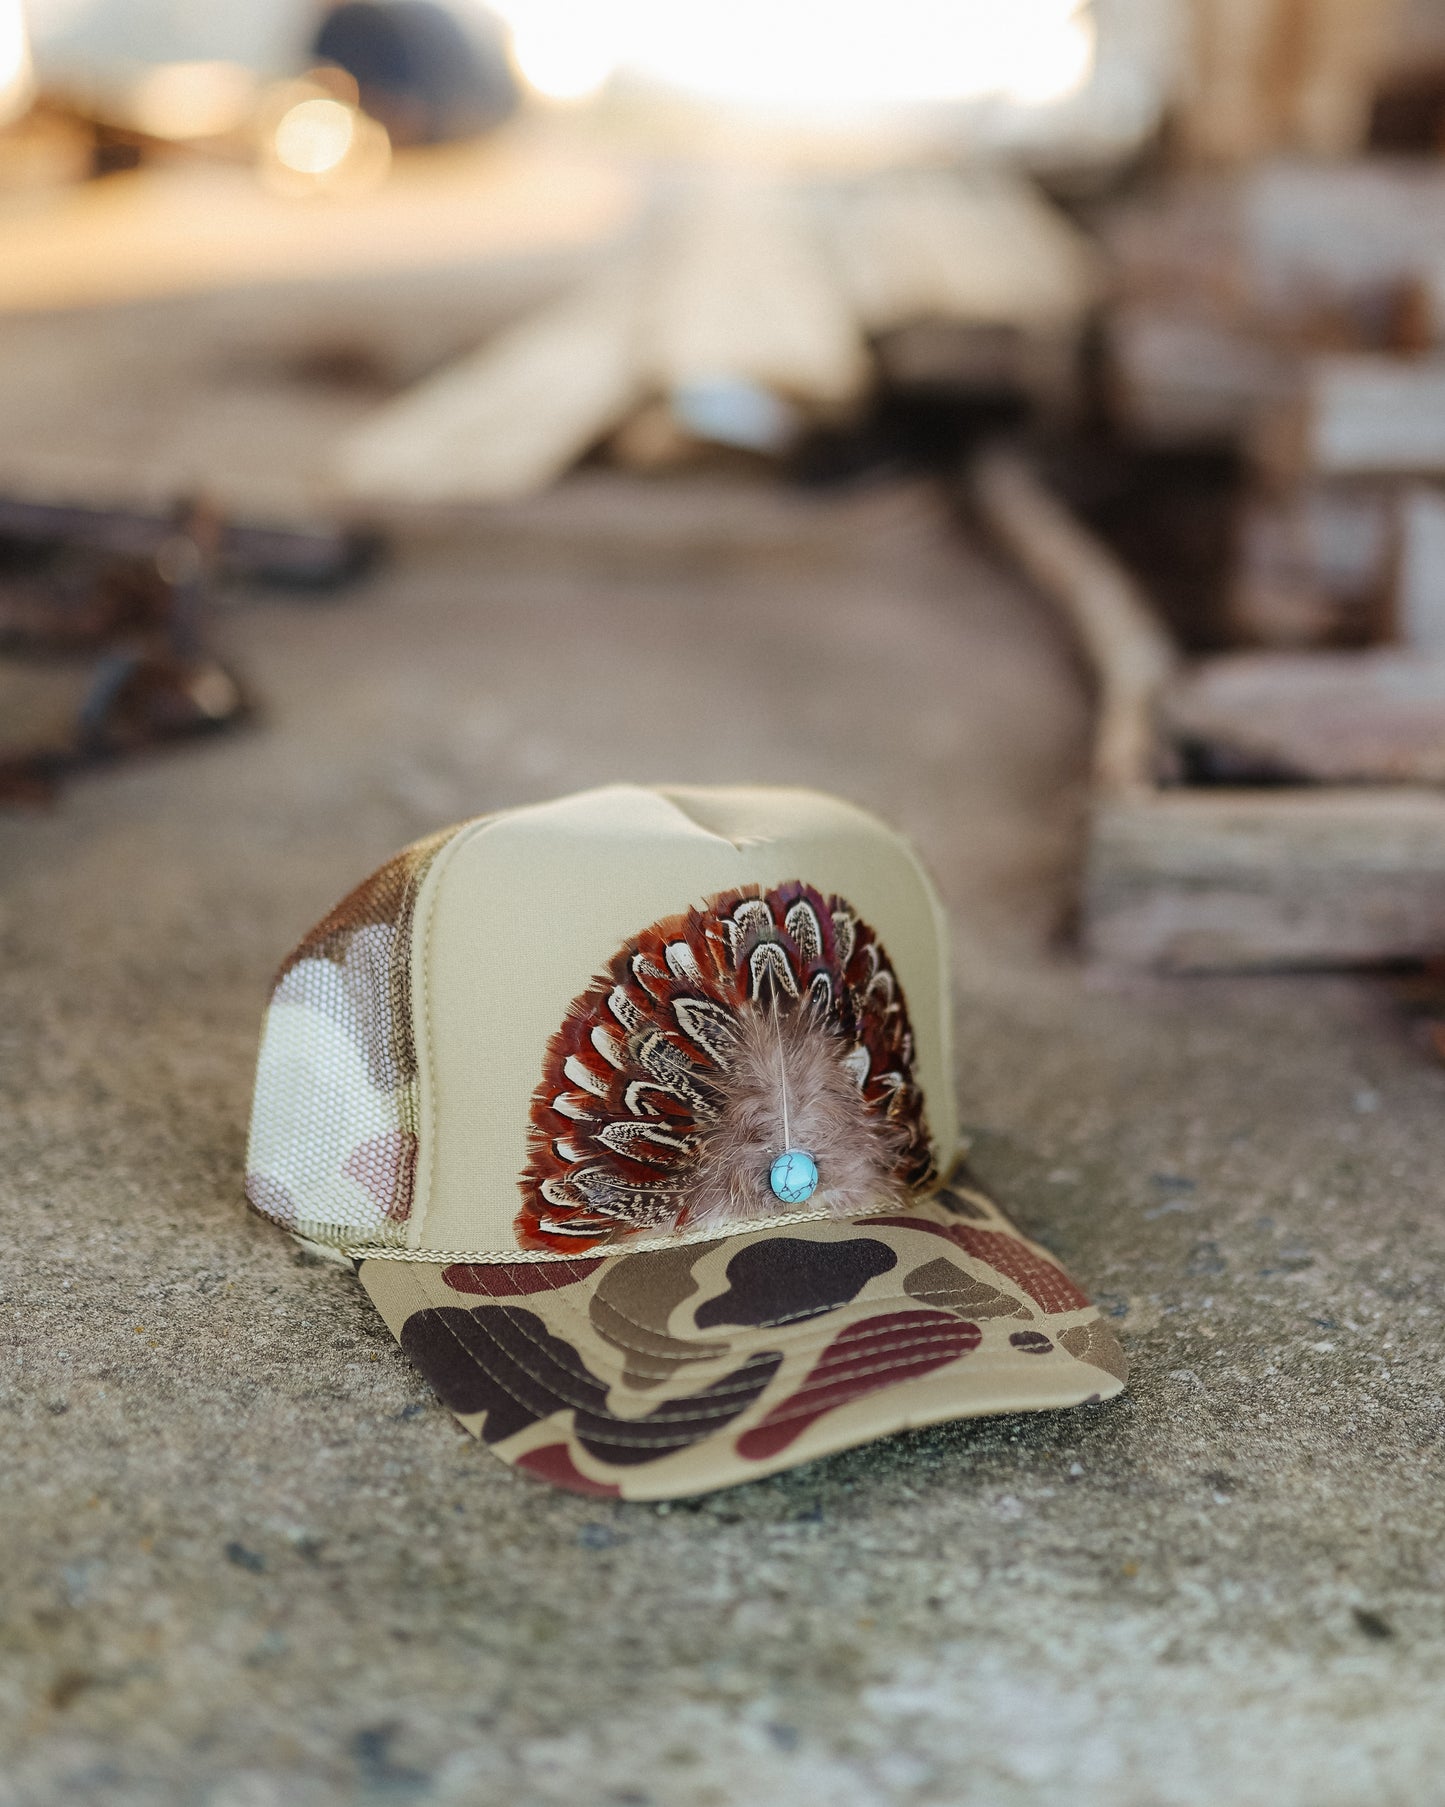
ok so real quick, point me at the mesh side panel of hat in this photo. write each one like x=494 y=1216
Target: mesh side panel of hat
x=332 y=1152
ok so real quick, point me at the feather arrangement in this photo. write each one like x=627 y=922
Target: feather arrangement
x=716 y=1042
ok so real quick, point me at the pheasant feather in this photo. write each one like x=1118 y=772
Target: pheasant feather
x=715 y=1041
x=788 y=1087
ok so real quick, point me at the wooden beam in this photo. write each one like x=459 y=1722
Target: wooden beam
x=1337 y=234
x=739 y=289
x=1359 y=416
x=1180 y=376
x=1214 y=879
x=1373 y=716
x=1129 y=652
x=1418 y=602
x=512 y=417
x=984 y=249
x=1211 y=880
x=1313 y=567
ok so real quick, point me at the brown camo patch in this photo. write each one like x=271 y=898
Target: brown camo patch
x=1096 y=1344
x=945 y=1284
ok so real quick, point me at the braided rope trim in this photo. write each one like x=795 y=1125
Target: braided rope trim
x=384 y=1252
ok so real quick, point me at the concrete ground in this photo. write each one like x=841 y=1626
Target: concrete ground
x=249 y=1562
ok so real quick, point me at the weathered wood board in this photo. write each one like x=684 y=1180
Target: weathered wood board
x=1374 y=716
x=1128 y=652
x=1272 y=74
x=1219 y=880
x=1418 y=603
x=769 y=286
x=983 y=248
x=1314 y=233
x=740 y=289
x=1207 y=879
x=512 y=417
x=1360 y=415
x=1182 y=375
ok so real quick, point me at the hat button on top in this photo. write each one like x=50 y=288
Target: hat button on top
x=794 y=1176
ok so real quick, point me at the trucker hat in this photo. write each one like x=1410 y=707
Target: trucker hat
x=635 y=1112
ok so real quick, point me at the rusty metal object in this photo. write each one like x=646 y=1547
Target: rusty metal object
x=138 y=619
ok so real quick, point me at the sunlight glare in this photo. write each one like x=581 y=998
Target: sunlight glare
x=315 y=135
x=564 y=50
x=15 y=74
x=800 y=55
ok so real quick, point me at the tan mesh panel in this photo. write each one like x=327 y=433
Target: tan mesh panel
x=333 y=1143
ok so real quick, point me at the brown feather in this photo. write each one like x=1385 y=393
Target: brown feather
x=661 y=1101
x=856 y=1151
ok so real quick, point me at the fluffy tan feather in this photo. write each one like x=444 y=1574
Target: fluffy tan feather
x=796 y=1056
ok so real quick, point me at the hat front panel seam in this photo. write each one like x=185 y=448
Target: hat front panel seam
x=609 y=1252
x=658 y=1246
x=428 y=1109
x=655 y=1245
x=427 y=1076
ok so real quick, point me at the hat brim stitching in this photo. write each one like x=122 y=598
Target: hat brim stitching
x=626 y=1246
x=794 y=1346
x=616 y=1429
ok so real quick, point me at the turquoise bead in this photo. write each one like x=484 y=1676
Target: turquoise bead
x=794 y=1176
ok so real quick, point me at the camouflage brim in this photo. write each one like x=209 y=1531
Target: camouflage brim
x=670 y=1372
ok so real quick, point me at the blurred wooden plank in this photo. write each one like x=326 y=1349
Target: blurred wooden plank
x=1419 y=324
x=731 y=290
x=1326 y=233
x=1270 y=75
x=1128 y=651
x=1218 y=880
x=1177 y=376
x=1313 y=567
x=1231 y=109
x=1359 y=415
x=984 y=248
x=739 y=289
x=512 y=417
x=1210 y=879
x=1339 y=50
x=1418 y=607
x=1370 y=717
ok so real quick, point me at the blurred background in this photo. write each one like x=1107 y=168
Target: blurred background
x=1145 y=296
x=1023 y=417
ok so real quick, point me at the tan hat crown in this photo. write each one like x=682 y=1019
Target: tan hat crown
x=416 y=1052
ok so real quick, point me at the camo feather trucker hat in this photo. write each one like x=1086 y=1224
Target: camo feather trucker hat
x=636 y=1113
